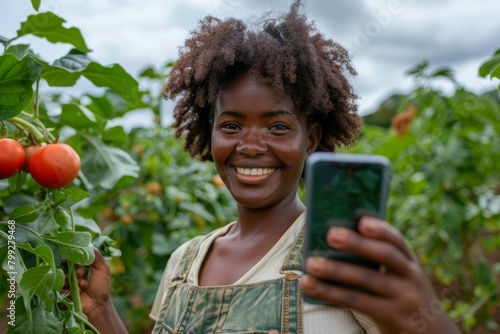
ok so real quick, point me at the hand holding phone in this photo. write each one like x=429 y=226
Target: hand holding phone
x=340 y=189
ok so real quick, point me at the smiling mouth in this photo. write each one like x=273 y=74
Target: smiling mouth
x=255 y=171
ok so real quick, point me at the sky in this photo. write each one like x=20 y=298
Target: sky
x=385 y=38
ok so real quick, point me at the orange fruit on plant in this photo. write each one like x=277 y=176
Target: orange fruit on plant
x=12 y=157
x=154 y=188
x=54 y=165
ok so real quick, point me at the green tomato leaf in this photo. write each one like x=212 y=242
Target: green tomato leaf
x=108 y=167
x=59 y=77
x=72 y=326
x=43 y=251
x=102 y=106
x=66 y=70
x=68 y=197
x=36 y=4
x=77 y=116
x=16 y=83
x=35 y=321
x=16 y=265
x=24 y=214
x=74 y=246
x=19 y=50
x=115 y=78
x=115 y=135
x=42 y=281
x=110 y=105
x=74 y=61
x=63 y=219
x=489 y=65
x=86 y=224
x=50 y=26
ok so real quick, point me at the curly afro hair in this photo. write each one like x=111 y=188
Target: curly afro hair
x=288 y=53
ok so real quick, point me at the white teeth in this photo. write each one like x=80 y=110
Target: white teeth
x=255 y=171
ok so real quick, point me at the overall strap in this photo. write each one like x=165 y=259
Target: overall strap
x=294 y=259
x=292 y=306
x=184 y=265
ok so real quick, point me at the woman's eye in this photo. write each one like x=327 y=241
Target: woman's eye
x=230 y=126
x=280 y=127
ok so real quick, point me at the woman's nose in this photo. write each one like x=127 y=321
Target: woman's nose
x=252 y=143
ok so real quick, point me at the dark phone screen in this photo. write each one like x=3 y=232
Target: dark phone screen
x=338 y=191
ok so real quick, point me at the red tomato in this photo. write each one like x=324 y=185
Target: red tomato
x=54 y=165
x=12 y=157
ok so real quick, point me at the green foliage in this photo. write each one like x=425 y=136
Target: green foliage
x=50 y=26
x=385 y=111
x=445 y=199
x=16 y=84
x=491 y=67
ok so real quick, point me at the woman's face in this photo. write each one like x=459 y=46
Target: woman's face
x=260 y=142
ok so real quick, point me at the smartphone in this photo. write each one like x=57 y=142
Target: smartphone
x=340 y=189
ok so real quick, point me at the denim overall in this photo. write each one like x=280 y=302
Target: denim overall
x=272 y=307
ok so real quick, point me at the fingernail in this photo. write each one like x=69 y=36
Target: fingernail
x=306 y=282
x=314 y=263
x=370 y=225
x=338 y=237
x=310 y=264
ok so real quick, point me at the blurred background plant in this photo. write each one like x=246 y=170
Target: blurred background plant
x=445 y=185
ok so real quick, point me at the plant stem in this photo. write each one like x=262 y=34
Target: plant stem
x=36 y=99
x=30 y=127
x=75 y=291
x=86 y=322
x=49 y=138
x=45 y=222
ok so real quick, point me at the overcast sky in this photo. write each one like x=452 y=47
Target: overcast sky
x=386 y=38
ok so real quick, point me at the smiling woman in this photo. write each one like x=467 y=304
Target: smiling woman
x=254 y=130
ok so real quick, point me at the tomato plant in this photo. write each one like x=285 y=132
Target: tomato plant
x=44 y=206
x=12 y=157
x=54 y=165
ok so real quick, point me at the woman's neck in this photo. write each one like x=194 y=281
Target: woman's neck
x=271 y=220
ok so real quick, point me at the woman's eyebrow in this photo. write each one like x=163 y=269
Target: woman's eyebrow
x=267 y=114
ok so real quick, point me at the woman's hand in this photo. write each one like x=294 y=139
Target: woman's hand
x=96 y=299
x=399 y=297
x=94 y=290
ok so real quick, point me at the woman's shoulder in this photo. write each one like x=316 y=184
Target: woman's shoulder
x=194 y=244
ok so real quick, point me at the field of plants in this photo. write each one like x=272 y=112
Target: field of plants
x=71 y=182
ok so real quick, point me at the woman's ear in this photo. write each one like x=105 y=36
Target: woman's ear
x=313 y=137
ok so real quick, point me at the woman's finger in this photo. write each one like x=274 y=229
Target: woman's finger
x=385 y=253
x=353 y=276
x=381 y=230
x=338 y=295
